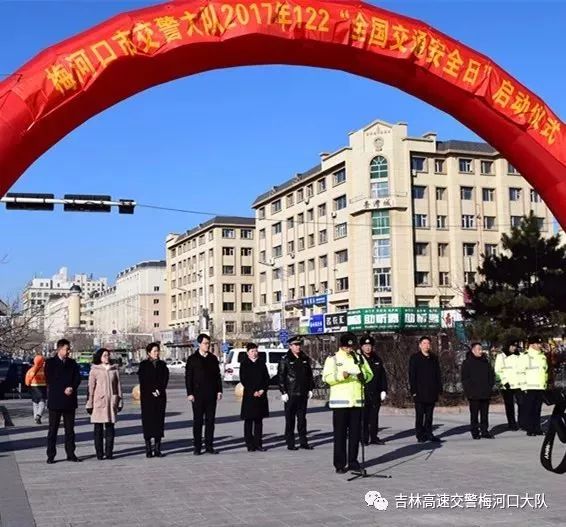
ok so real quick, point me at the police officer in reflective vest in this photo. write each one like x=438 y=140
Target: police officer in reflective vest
x=345 y=372
x=375 y=393
x=535 y=366
x=507 y=377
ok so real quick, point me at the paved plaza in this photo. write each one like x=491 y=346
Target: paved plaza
x=279 y=487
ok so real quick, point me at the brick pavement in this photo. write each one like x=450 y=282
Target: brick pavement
x=275 y=488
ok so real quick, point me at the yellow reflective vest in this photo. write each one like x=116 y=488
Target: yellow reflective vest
x=507 y=370
x=533 y=367
x=345 y=393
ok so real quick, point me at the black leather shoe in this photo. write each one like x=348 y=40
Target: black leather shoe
x=50 y=461
x=342 y=470
x=211 y=451
x=488 y=435
x=197 y=453
x=251 y=449
x=74 y=459
x=476 y=436
x=292 y=448
x=306 y=447
x=260 y=449
x=354 y=467
x=421 y=440
x=434 y=439
x=377 y=441
x=531 y=434
x=513 y=427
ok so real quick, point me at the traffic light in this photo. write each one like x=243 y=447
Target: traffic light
x=86 y=203
x=29 y=201
x=126 y=206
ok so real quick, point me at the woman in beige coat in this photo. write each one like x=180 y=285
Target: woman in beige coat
x=104 y=401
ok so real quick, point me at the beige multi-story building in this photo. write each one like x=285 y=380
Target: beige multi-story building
x=389 y=219
x=136 y=303
x=210 y=278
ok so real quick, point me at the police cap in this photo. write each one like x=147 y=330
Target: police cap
x=295 y=340
x=348 y=339
x=367 y=339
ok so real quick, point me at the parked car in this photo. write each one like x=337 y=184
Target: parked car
x=84 y=368
x=271 y=356
x=132 y=368
x=12 y=374
x=176 y=365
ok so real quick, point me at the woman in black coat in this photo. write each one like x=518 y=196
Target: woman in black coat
x=153 y=376
x=255 y=379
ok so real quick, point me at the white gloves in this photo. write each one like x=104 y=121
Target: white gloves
x=383 y=395
x=355 y=370
x=310 y=394
x=155 y=393
x=285 y=397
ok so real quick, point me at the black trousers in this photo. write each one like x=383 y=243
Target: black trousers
x=370 y=422
x=104 y=432
x=509 y=398
x=253 y=431
x=347 y=430
x=481 y=407
x=522 y=409
x=204 y=411
x=533 y=408
x=69 y=423
x=296 y=409
x=423 y=419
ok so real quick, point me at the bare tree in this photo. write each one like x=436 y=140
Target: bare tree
x=20 y=330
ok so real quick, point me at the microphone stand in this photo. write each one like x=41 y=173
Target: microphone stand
x=362 y=473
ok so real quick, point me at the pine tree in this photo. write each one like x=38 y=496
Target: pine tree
x=523 y=290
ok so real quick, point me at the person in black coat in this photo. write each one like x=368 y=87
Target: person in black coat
x=153 y=375
x=204 y=389
x=374 y=393
x=426 y=385
x=296 y=383
x=255 y=406
x=478 y=378
x=63 y=378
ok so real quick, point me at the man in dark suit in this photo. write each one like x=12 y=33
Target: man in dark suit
x=426 y=386
x=204 y=389
x=63 y=378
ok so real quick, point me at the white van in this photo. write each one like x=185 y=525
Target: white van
x=271 y=356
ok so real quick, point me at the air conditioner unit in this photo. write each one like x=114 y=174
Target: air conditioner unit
x=307 y=199
x=333 y=214
x=292 y=255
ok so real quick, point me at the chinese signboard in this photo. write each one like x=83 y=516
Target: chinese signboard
x=336 y=323
x=393 y=318
x=316 y=324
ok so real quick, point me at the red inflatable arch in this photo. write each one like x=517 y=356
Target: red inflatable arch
x=68 y=83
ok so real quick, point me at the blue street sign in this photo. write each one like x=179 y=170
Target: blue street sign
x=225 y=347
x=283 y=336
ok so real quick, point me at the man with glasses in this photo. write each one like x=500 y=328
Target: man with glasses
x=296 y=384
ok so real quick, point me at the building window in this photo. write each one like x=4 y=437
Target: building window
x=277 y=251
x=262 y=256
x=290 y=223
x=276 y=228
x=382 y=279
x=230 y=326
x=511 y=169
x=263 y=299
x=261 y=213
x=246 y=270
x=421 y=249
x=540 y=224
x=311 y=240
x=440 y=193
x=228 y=233
x=341 y=256
x=277 y=296
x=469 y=249
x=441 y=222
x=246 y=307
x=156 y=313
x=420 y=221
x=421 y=278
x=301 y=243
x=276 y=206
x=247 y=326
x=486 y=168
x=439 y=166
x=290 y=200
x=422 y=302
x=321 y=185
x=323 y=261
x=322 y=210
x=310 y=215
x=246 y=251
x=228 y=251
x=342 y=284
x=340 y=231
x=378 y=168
x=469 y=277
x=443 y=278
x=301 y=267
x=535 y=198
x=322 y=236
x=381 y=249
x=418 y=164
x=291 y=270
x=516 y=221
x=300 y=218
x=262 y=234
x=310 y=265
x=227 y=269
x=300 y=195
x=156 y=300
x=310 y=191
x=228 y=288
x=465 y=166
x=380 y=222
x=468 y=221
x=489 y=223
x=490 y=249
x=156 y=324
x=340 y=202
x=339 y=177
x=488 y=194
x=419 y=192
x=442 y=249
x=514 y=194
x=466 y=193
x=227 y=306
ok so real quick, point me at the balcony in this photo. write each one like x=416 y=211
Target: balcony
x=398 y=201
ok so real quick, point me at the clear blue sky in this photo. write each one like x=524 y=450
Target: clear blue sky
x=213 y=142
